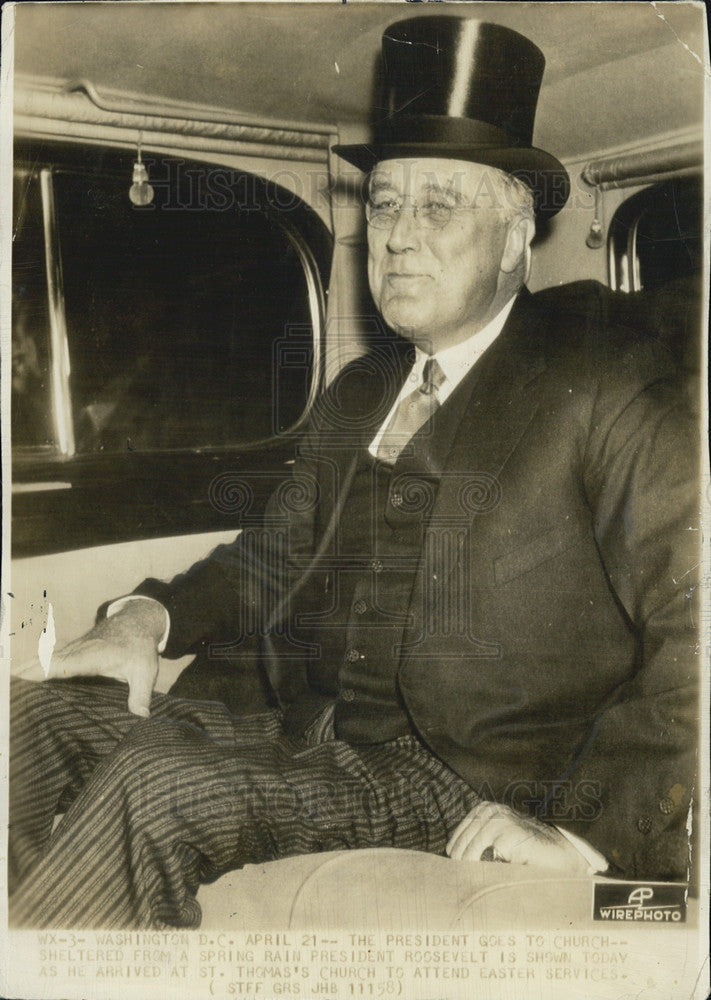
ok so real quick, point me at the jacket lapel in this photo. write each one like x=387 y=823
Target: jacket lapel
x=502 y=401
x=503 y=390
x=352 y=414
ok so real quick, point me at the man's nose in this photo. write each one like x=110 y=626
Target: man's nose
x=404 y=235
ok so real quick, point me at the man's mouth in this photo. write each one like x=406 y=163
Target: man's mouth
x=404 y=276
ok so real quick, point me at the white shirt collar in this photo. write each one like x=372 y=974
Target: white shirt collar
x=457 y=360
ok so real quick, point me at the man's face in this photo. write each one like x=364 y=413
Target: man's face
x=436 y=287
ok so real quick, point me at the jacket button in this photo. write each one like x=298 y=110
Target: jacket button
x=644 y=825
x=348 y=694
x=377 y=566
x=396 y=499
x=352 y=655
x=360 y=607
x=666 y=805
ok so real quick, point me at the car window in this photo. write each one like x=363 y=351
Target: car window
x=655 y=249
x=158 y=349
x=185 y=323
x=656 y=236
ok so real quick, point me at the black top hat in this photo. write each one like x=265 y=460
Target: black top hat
x=464 y=90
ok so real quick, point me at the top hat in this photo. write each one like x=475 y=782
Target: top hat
x=461 y=89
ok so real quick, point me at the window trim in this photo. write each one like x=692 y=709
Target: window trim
x=317 y=308
x=59 y=343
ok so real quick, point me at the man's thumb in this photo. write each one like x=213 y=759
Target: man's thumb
x=140 y=689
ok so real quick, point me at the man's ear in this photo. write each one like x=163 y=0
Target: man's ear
x=518 y=240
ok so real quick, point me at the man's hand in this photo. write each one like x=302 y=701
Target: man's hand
x=123 y=647
x=513 y=837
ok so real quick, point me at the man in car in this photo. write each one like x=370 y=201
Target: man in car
x=472 y=598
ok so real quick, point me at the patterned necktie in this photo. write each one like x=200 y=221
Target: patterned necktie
x=412 y=413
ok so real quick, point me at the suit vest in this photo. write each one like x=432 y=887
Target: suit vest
x=355 y=619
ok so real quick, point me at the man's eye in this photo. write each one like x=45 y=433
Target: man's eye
x=436 y=208
x=385 y=205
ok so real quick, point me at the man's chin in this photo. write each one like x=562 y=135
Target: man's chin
x=408 y=324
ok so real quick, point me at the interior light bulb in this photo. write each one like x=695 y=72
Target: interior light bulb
x=596 y=236
x=140 y=192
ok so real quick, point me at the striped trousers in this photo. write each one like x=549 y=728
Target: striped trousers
x=153 y=807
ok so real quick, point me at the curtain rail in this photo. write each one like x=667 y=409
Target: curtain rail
x=74 y=103
x=629 y=169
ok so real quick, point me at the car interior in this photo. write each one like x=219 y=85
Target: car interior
x=189 y=272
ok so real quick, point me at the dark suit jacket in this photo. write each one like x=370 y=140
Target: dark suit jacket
x=550 y=659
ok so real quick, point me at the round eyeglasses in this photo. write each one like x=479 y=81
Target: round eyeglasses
x=383 y=213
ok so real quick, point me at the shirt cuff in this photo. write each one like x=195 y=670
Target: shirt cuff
x=597 y=863
x=121 y=602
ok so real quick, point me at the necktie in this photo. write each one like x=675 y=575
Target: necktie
x=412 y=413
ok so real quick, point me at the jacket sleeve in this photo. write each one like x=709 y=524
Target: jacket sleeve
x=640 y=757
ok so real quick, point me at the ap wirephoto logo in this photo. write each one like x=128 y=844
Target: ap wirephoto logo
x=657 y=902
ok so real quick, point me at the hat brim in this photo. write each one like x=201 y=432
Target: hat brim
x=543 y=173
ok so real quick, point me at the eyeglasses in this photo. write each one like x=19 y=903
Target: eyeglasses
x=383 y=213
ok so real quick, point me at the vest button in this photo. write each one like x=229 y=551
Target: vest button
x=348 y=694
x=352 y=655
x=666 y=805
x=360 y=607
x=377 y=566
x=644 y=825
x=396 y=499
